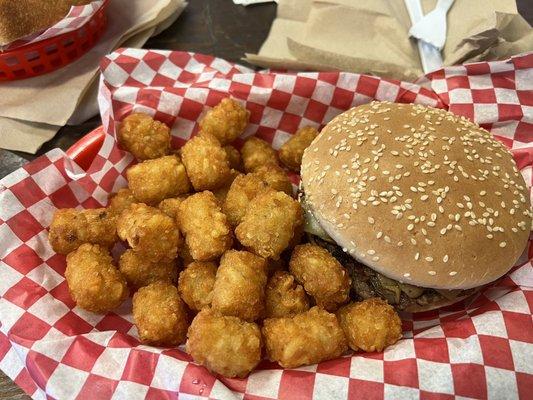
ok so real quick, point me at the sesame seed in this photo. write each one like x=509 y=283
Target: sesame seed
x=432 y=273
x=453 y=273
x=370 y=220
x=417 y=256
x=410 y=227
x=413 y=241
x=371 y=252
x=503 y=244
x=424 y=197
x=407 y=275
x=376 y=258
x=429 y=259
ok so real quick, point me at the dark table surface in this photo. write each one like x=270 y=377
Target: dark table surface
x=216 y=27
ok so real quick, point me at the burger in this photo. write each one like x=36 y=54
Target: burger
x=422 y=207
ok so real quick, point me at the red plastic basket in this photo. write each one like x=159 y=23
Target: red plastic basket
x=48 y=55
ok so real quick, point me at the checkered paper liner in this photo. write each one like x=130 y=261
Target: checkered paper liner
x=75 y=19
x=482 y=348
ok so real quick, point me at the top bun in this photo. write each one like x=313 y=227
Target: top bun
x=418 y=194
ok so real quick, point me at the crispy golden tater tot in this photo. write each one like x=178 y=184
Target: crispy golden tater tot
x=160 y=315
x=226 y=121
x=149 y=232
x=144 y=137
x=140 y=271
x=292 y=150
x=71 y=228
x=270 y=223
x=284 y=297
x=239 y=288
x=370 y=325
x=206 y=229
x=307 y=338
x=171 y=206
x=321 y=275
x=195 y=284
x=93 y=281
x=121 y=200
x=225 y=345
x=206 y=162
x=234 y=158
x=222 y=192
x=275 y=177
x=155 y=180
x=243 y=189
x=256 y=153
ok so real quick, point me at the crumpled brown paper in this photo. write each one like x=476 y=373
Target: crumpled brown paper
x=371 y=36
x=33 y=110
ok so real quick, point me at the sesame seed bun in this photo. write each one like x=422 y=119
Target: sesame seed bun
x=418 y=194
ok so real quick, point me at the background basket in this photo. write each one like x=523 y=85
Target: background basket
x=50 y=54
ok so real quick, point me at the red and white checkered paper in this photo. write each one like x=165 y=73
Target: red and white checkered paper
x=75 y=19
x=479 y=349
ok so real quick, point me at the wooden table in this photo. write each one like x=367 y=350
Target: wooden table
x=215 y=27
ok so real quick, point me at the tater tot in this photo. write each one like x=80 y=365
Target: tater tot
x=234 y=158
x=307 y=338
x=206 y=229
x=370 y=325
x=292 y=150
x=275 y=177
x=139 y=271
x=284 y=297
x=155 y=180
x=160 y=315
x=71 y=228
x=93 y=281
x=239 y=288
x=256 y=153
x=270 y=223
x=121 y=200
x=144 y=137
x=225 y=345
x=195 y=284
x=222 y=191
x=149 y=232
x=226 y=121
x=243 y=189
x=321 y=275
x=206 y=162
x=171 y=206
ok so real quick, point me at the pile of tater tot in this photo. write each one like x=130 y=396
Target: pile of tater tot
x=216 y=258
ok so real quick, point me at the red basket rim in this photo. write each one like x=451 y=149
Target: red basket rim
x=84 y=151
x=46 y=42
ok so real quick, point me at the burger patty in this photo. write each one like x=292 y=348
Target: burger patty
x=368 y=283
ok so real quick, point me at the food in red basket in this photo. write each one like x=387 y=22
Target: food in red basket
x=144 y=137
x=71 y=228
x=234 y=158
x=94 y=282
x=121 y=200
x=275 y=177
x=149 y=232
x=243 y=189
x=224 y=345
x=226 y=121
x=256 y=153
x=140 y=271
x=292 y=151
x=284 y=297
x=160 y=315
x=152 y=181
x=322 y=276
x=307 y=338
x=239 y=288
x=206 y=229
x=171 y=206
x=195 y=284
x=421 y=206
x=370 y=325
x=206 y=162
x=22 y=18
x=270 y=223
